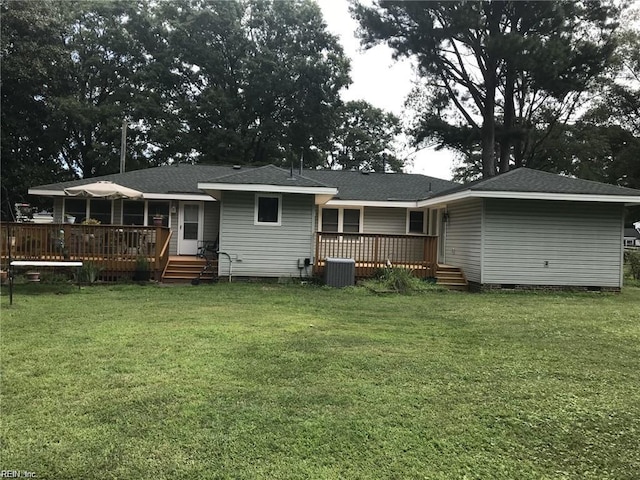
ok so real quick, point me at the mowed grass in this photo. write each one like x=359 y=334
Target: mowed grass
x=275 y=381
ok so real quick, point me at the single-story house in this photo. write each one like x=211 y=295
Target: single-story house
x=524 y=228
x=632 y=237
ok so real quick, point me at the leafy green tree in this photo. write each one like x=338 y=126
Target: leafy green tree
x=108 y=83
x=364 y=139
x=242 y=81
x=32 y=72
x=497 y=75
x=259 y=80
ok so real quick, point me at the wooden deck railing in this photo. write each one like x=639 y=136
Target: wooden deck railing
x=114 y=248
x=374 y=251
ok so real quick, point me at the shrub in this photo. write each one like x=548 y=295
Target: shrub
x=632 y=258
x=89 y=273
x=142 y=272
x=400 y=280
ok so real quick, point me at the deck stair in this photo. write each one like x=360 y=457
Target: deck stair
x=183 y=269
x=451 y=277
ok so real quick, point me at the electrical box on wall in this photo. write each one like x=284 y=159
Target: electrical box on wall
x=304 y=263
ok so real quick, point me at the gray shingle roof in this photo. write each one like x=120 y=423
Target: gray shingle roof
x=181 y=178
x=267 y=175
x=631 y=232
x=380 y=186
x=535 y=181
x=351 y=185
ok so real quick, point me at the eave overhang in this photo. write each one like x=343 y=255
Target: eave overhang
x=322 y=194
x=566 y=197
x=146 y=196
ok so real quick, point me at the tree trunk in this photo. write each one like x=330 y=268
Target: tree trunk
x=489 y=128
x=506 y=139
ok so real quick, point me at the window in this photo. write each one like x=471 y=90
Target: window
x=100 y=210
x=268 y=210
x=351 y=221
x=76 y=208
x=343 y=220
x=158 y=208
x=132 y=212
x=83 y=209
x=416 y=221
x=329 y=219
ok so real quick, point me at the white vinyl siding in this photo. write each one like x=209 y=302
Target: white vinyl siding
x=463 y=244
x=265 y=250
x=387 y=221
x=552 y=243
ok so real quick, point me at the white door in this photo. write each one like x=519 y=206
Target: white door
x=190 y=221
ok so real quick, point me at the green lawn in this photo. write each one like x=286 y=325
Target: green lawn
x=275 y=381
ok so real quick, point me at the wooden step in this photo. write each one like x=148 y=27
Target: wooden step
x=183 y=269
x=451 y=277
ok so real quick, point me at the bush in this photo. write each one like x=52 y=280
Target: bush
x=400 y=280
x=142 y=272
x=632 y=258
x=89 y=273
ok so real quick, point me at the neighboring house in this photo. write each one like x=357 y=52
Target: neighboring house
x=522 y=228
x=632 y=237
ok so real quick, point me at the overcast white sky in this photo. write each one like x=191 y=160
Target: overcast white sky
x=380 y=80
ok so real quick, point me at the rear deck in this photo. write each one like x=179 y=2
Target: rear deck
x=115 y=249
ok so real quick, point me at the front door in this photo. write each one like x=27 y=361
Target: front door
x=190 y=221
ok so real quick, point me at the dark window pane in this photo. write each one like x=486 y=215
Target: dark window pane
x=190 y=231
x=329 y=219
x=351 y=221
x=132 y=213
x=416 y=222
x=100 y=210
x=158 y=208
x=76 y=208
x=190 y=221
x=268 y=209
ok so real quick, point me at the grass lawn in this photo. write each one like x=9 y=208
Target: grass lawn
x=275 y=381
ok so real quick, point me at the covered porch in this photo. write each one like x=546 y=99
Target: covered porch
x=115 y=249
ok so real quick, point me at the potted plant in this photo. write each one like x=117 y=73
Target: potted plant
x=158 y=219
x=33 y=276
x=89 y=221
x=70 y=218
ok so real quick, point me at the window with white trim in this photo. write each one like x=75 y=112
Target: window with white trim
x=341 y=220
x=416 y=221
x=268 y=210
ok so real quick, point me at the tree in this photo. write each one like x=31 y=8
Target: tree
x=498 y=75
x=259 y=80
x=33 y=66
x=108 y=83
x=364 y=139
